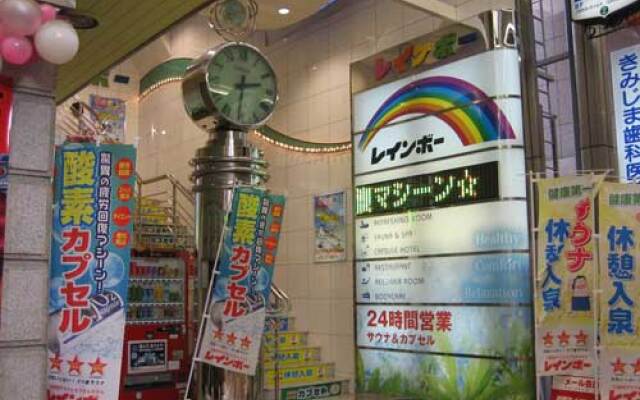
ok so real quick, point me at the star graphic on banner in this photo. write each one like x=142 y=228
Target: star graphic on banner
x=75 y=365
x=218 y=334
x=56 y=363
x=231 y=338
x=246 y=342
x=548 y=339
x=564 y=338
x=636 y=367
x=618 y=367
x=581 y=338
x=97 y=367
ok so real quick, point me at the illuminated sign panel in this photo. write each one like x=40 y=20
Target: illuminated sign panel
x=494 y=226
x=441 y=232
x=478 y=279
x=427 y=138
x=469 y=330
x=511 y=174
x=446 y=188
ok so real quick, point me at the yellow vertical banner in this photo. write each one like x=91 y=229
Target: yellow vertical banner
x=619 y=222
x=565 y=276
x=619 y=233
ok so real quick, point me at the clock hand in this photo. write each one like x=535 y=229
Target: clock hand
x=247 y=85
x=241 y=87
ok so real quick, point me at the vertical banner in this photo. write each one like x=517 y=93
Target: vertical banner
x=619 y=310
x=6 y=100
x=92 y=234
x=330 y=230
x=235 y=323
x=626 y=102
x=112 y=114
x=565 y=277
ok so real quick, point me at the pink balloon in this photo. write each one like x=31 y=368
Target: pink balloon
x=16 y=50
x=49 y=13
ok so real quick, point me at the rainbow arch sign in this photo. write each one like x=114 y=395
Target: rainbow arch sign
x=455 y=109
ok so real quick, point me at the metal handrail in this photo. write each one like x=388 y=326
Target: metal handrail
x=282 y=304
x=178 y=214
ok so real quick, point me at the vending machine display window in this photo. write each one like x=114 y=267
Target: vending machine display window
x=147 y=356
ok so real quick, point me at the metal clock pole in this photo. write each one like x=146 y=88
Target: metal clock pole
x=228 y=107
x=226 y=160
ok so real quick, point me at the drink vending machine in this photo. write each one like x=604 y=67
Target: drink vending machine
x=158 y=334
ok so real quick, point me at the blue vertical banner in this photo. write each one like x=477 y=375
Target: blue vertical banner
x=91 y=247
x=235 y=323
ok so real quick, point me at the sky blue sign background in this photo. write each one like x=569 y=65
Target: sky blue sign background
x=117 y=263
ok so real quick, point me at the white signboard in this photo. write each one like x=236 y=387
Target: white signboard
x=626 y=99
x=470 y=76
x=453 y=230
x=589 y=9
x=625 y=84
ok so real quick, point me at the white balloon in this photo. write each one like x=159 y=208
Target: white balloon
x=57 y=42
x=20 y=17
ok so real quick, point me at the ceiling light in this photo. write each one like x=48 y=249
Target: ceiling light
x=284 y=10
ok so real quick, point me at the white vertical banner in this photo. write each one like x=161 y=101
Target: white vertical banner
x=625 y=74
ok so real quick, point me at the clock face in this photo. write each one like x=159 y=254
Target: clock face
x=242 y=85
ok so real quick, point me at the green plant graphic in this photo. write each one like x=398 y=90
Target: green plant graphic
x=451 y=378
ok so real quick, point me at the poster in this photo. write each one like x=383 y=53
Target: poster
x=619 y=311
x=330 y=229
x=91 y=246
x=566 y=277
x=6 y=101
x=236 y=318
x=112 y=114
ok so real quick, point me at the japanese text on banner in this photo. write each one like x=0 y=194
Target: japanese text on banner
x=89 y=269
x=242 y=286
x=565 y=277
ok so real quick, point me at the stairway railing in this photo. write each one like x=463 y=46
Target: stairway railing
x=279 y=302
x=178 y=201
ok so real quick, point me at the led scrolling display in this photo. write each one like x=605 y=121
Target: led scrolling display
x=445 y=188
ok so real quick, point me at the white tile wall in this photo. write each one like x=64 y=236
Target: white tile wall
x=312 y=65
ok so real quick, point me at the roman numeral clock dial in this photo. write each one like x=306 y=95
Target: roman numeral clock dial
x=242 y=85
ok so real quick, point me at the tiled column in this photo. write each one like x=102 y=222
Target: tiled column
x=23 y=321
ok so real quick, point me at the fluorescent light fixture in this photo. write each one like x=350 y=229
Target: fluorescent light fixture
x=284 y=10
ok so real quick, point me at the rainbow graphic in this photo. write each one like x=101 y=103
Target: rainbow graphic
x=471 y=113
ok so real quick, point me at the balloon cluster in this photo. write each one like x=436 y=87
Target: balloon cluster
x=29 y=30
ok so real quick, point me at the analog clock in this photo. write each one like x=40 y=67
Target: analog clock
x=232 y=85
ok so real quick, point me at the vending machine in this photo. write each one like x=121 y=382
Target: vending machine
x=157 y=333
